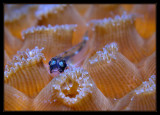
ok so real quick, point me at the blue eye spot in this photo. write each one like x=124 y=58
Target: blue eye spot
x=61 y=64
x=53 y=62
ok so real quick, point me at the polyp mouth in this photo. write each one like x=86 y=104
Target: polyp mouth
x=73 y=85
x=69 y=88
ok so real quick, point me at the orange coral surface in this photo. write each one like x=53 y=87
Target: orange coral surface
x=114 y=70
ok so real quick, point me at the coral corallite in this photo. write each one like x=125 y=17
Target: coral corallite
x=110 y=57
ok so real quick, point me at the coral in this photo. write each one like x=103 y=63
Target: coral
x=109 y=49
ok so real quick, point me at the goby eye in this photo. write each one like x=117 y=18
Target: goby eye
x=61 y=63
x=53 y=62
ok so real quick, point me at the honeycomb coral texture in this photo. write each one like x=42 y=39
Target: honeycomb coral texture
x=114 y=70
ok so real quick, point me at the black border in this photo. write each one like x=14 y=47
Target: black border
x=71 y=2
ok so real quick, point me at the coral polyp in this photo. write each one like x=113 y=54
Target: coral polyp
x=70 y=57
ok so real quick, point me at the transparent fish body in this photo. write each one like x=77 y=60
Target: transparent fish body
x=70 y=53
